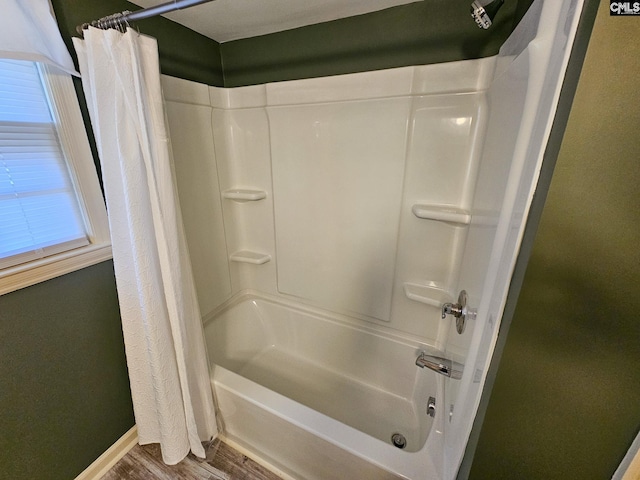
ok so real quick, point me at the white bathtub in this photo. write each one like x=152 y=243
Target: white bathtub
x=318 y=397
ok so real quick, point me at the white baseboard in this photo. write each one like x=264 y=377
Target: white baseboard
x=109 y=458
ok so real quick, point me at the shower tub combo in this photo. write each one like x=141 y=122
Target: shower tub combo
x=291 y=379
x=330 y=220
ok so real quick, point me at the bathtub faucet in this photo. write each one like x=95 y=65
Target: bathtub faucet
x=443 y=366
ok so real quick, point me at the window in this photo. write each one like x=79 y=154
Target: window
x=52 y=215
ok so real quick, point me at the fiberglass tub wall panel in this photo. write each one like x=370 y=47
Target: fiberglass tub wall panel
x=442 y=163
x=197 y=181
x=338 y=172
x=242 y=139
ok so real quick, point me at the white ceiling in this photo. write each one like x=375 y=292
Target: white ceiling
x=226 y=20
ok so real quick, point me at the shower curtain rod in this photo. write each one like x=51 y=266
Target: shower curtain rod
x=118 y=20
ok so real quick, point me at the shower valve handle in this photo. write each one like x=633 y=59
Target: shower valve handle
x=458 y=310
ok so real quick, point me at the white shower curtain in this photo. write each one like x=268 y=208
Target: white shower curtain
x=161 y=320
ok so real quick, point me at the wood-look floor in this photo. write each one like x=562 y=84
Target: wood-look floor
x=222 y=463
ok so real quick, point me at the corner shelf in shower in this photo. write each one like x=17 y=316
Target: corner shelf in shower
x=246 y=256
x=442 y=213
x=431 y=294
x=244 y=195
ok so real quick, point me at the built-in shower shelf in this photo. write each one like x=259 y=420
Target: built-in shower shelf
x=244 y=195
x=432 y=294
x=246 y=256
x=442 y=213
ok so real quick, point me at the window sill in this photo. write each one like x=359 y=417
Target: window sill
x=21 y=276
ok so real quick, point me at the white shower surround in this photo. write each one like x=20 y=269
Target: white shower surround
x=470 y=136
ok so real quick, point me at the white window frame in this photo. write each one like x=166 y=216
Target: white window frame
x=71 y=131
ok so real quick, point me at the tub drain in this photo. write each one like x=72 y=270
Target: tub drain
x=398 y=440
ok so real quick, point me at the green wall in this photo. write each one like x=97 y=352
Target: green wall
x=65 y=394
x=565 y=403
x=420 y=33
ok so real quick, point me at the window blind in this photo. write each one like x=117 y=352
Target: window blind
x=39 y=212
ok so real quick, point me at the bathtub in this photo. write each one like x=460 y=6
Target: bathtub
x=317 y=397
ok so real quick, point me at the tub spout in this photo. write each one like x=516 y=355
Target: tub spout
x=443 y=366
